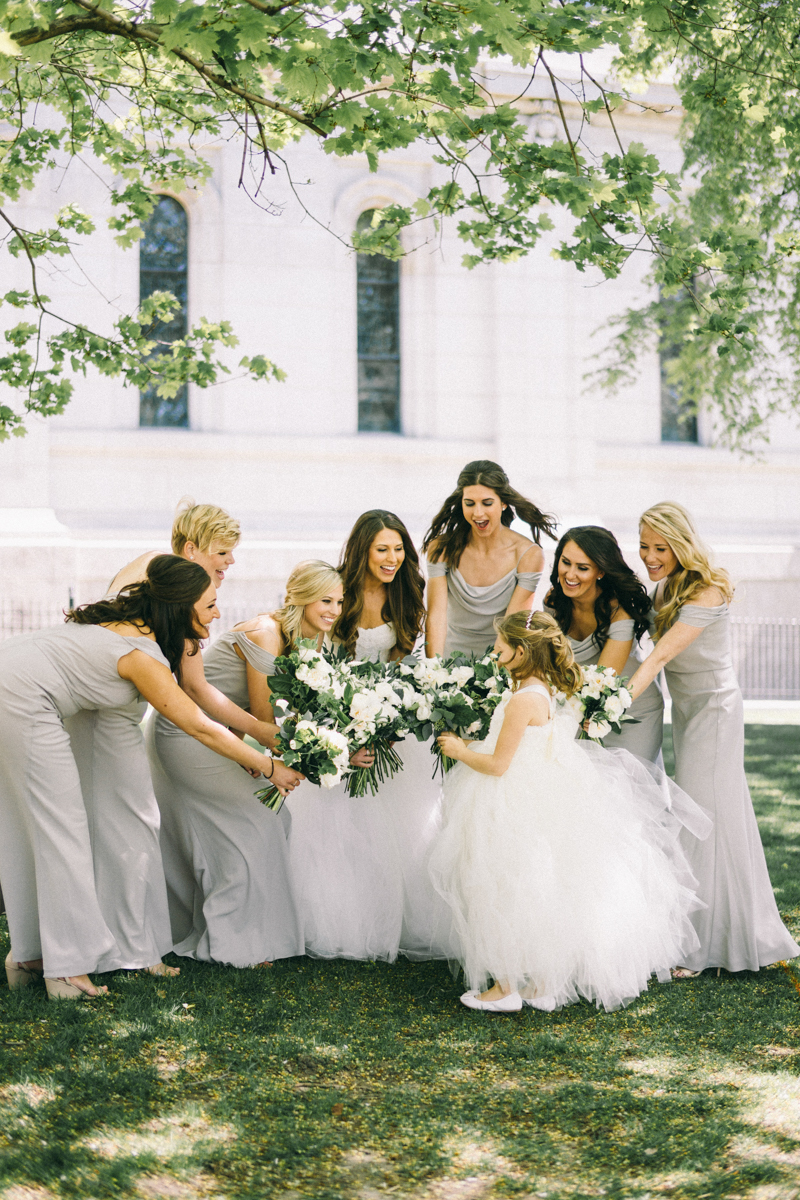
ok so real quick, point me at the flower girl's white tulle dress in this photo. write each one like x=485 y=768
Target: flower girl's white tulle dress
x=565 y=875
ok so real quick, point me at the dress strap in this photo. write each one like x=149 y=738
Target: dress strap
x=259 y=659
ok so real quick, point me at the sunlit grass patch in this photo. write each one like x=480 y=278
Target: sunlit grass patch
x=352 y=1081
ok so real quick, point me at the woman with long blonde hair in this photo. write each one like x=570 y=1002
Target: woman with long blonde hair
x=559 y=859
x=740 y=927
x=226 y=857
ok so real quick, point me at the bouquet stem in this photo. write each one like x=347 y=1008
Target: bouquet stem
x=271 y=798
x=387 y=763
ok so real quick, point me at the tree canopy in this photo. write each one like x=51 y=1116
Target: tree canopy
x=142 y=86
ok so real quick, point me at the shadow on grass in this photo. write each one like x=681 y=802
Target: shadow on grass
x=336 y=1079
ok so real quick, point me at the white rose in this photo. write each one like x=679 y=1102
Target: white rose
x=462 y=675
x=303 y=726
x=424 y=711
x=318 y=679
x=365 y=706
x=307 y=654
x=592 y=692
x=625 y=697
x=598 y=729
x=614 y=708
x=384 y=689
x=473 y=728
x=329 y=781
x=610 y=673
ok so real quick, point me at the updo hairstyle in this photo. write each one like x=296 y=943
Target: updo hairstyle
x=308 y=582
x=162 y=604
x=450 y=531
x=547 y=653
x=695 y=571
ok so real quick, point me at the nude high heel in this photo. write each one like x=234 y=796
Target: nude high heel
x=18 y=975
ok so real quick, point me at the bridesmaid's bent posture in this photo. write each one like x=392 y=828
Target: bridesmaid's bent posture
x=479 y=568
x=77 y=880
x=603 y=608
x=226 y=857
x=201 y=533
x=740 y=929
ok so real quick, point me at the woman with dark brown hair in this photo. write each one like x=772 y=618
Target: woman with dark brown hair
x=358 y=864
x=79 y=855
x=478 y=567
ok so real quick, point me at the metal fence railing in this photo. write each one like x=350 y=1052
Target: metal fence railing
x=766 y=650
x=766 y=655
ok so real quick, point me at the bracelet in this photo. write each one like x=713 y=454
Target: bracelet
x=272 y=772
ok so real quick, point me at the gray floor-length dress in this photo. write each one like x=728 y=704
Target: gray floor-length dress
x=471 y=610
x=226 y=857
x=79 y=855
x=740 y=929
x=646 y=736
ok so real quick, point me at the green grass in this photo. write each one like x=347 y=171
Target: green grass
x=334 y=1079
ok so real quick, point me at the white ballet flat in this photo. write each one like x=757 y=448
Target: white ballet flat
x=543 y=1003
x=506 y=1004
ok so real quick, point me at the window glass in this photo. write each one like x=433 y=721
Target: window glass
x=163 y=267
x=378 y=291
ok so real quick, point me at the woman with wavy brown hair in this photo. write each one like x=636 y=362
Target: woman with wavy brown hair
x=358 y=864
x=478 y=567
x=79 y=850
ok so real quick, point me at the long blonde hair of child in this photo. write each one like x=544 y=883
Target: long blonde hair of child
x=546 y=652
x=695 y=570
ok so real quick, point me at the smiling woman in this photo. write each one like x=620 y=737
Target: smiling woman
x=79 y=851
x=479 y=568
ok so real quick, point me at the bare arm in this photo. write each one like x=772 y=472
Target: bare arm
x=436 y=621
x=154 y=681
x=674 y=641
x=616 y=654
x=217 y=705
x=134 y=572
x=521 y=711
x=531 y=562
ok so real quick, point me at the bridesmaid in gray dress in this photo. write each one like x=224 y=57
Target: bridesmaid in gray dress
x=479 y=568
x=226 y=857
x=603 y=608
x=83 y=885
x=740 y=929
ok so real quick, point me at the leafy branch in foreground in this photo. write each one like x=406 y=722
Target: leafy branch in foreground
x=144 y=86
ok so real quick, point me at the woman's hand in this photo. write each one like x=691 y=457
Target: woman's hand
x=451 y=745
x=284 y=778
x=363 y=757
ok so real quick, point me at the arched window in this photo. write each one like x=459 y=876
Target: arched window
x=163 y=267
x=378 y=290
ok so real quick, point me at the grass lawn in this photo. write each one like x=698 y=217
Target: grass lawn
x=335 y=1079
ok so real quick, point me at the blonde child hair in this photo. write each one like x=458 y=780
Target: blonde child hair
x=695 y=570
x=309 y=581
x=547 y=653
x=203 y=524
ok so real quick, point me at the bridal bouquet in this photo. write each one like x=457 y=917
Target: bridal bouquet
x=321 y=753
x=602 y=703
x=457 y=694
x=376 y=721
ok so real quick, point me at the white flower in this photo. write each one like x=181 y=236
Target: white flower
x=424 y=711
x=610 y=673
x=461 y=675
x=598 y=729
x=575 y=707
x=614 y=708
x=473 y=728
x=305 y=726
x=335 y=741
x=591 y=692
x=384 y=689
x=365 y=706
x=307 y=653
x=625 y=697
x=330 y=781
x=318 y=678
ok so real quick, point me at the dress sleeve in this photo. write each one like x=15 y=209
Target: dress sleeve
x=145 y=644
x=437 y=569
x=621 y=631
x=528 y=580
x=259 y=659
x=698 y=616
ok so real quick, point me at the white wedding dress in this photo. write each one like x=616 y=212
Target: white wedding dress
x=359 y=864
x=565 y=875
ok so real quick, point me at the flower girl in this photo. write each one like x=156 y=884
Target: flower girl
x=559 y=859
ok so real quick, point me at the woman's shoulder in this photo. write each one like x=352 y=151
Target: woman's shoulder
x=530 y=556
x=709 y=597
x=618 y=613
x=263 y=631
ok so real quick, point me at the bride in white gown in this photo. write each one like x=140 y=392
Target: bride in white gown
x=358 y=864
x=560 y=860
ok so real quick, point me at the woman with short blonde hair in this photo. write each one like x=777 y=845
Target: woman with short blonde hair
x=740 y=927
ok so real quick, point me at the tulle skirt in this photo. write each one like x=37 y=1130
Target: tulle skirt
x=565 y=876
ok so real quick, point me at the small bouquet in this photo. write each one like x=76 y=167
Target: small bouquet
x=603 y=702
x=321 y=753
x=373 y=706
x=457 y=694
